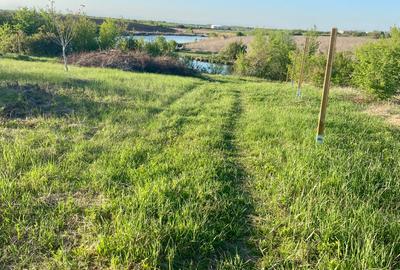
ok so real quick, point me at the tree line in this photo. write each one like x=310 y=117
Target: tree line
x=46 y=32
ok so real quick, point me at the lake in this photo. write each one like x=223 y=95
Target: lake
x=177 y=38
x=210 y=68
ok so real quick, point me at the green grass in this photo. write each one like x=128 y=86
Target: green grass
x=108 y=169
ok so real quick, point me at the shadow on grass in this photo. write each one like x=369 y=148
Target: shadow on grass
x=32 y=100
x=27 y=58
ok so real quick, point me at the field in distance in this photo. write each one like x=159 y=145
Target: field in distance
x=216 y=44
x=101 y=168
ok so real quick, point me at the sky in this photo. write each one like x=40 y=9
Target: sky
x=365 y=15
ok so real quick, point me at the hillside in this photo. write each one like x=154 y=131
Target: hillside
x=108 y=169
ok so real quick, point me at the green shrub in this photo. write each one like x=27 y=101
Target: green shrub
x=268 y=57
x=110 y=31
x=11 y=40
x=342 y=71
x=314 y=71
x=6 y=38
x=41 y=44
x=128 y=44
x=85 y=34
x=232 y=51
x=5 y=17
x=160 y=47
x=30 y=21
x=315 y=64
x=377 y=69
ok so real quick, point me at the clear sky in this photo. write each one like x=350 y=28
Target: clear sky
x=346 y=14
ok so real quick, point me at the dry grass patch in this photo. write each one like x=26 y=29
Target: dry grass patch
x=389 y=111
x=215 y=45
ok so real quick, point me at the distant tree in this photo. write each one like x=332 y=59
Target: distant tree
x=232 y=51
x=395 y=34
x=42 y=44
x=314 y=44
x=110 y=32
x=61 y=29
x=312 y=62
x=30 y=21
x=267 y=57
x=5 y=17
x=377 y=68
x=160 y=47
x=254 y=63
x=6 y=38
x=280 y=45
x=84 y=35
x=127 y=44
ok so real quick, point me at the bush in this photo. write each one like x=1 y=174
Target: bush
x=12 y=41
x=342 y=71
x=29 y=21
x=128 y=44
x=6 y=38
x=377 y=69
x=110 y=31
x=5 y=17
x=233 y=50
x=41 y=44
x=85 y=34
x=267 y=57
x=160 y=47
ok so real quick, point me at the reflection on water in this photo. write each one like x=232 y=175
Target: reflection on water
x=211 y=68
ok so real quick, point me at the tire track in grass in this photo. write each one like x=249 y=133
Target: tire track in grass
x=146 y=183
x=238 y=252
x=185 y=192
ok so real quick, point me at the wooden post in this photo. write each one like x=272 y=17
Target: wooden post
x=327 y=84
x=303 y=62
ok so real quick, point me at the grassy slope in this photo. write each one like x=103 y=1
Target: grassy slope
x=147 y=170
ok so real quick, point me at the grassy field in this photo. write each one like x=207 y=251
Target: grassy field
x=108 y=169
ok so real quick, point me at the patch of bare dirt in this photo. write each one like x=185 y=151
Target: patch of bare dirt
x=389 y=111
x=80 y=198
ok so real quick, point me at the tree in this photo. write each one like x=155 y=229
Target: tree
x=280 y=46
x=232 y=51
x=62 y=30
x=29 y=21
x=110 y=31
x=377 y=68
x=6 y=38
x=312 y=61
x=84 y=35
x=159 y=47
x=267 y=57
x=254 y=63
x=5 y=17
x=314 y=44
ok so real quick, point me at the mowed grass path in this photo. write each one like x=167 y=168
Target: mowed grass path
x=108 y=169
